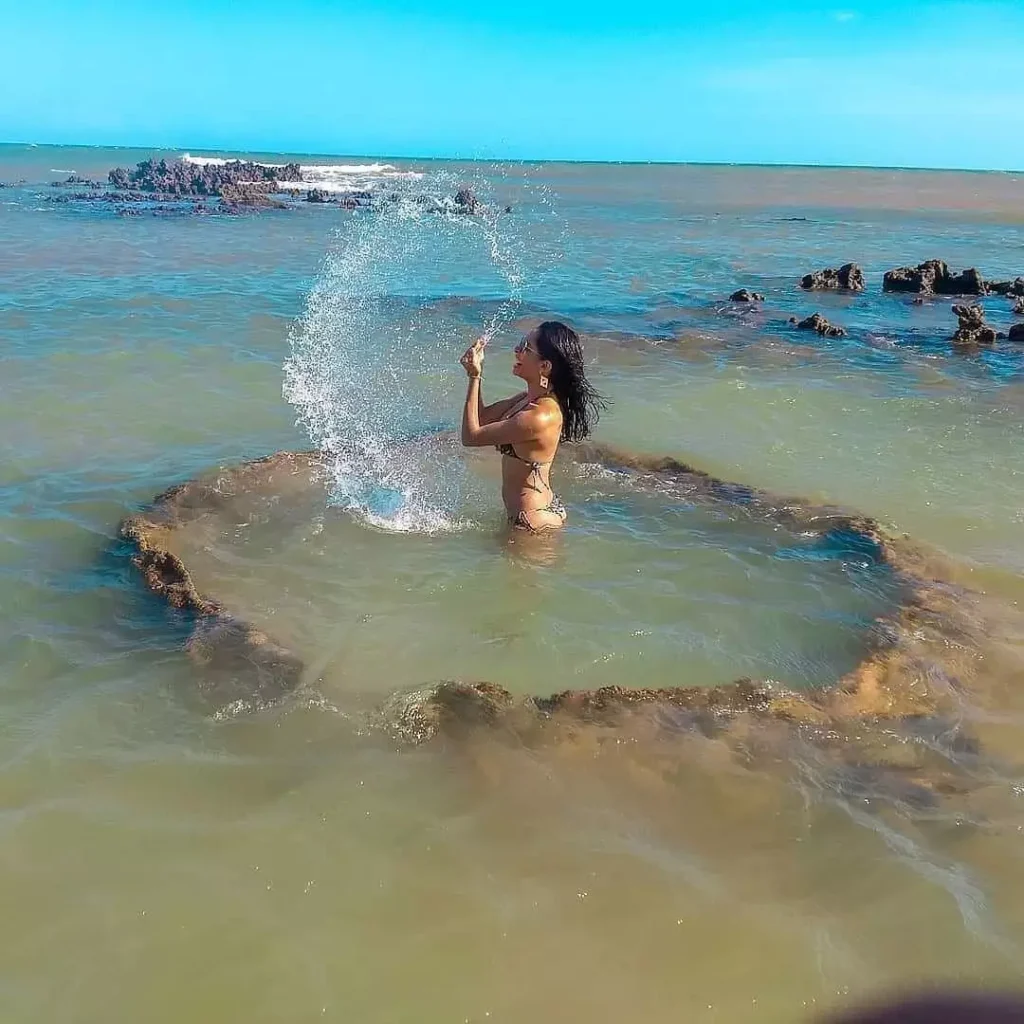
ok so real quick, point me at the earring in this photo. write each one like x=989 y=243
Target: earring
x=543 y=381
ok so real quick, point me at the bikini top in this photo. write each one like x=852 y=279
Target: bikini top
x=509 y=450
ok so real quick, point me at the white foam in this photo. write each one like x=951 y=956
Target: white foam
x=334 y=178
x=349 y=168
x=208 y=161
x=342 y=178
x=324 y=186
x=413 y=520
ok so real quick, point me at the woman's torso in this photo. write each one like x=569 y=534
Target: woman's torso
x=526 y=466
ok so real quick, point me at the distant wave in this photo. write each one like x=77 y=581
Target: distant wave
x=339 y=178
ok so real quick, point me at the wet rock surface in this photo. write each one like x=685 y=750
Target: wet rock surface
x=235 y=187
x=848 y=277
x=466 y=200
x=1014 y=288
x=1018 y=306
x=816 y=322
x=1016 y=333
x=972 y=329
x=182 y=178
x=743 y=295
x=933 y=277
x=76 y=180
x=891 y=729
x=235 y=197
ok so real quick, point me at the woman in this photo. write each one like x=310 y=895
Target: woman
x=558 y=404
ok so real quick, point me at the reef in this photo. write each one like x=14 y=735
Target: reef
x=848 y=277
x=972 y=329
x=933 y=277
x=183 y=178
x=466 y=200
x=892 y=725
x=76 y=180
x=237 y=186
x=816 y=322
x=1014 y=288
x=346 y=200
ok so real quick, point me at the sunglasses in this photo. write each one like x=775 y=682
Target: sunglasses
x=524 y=346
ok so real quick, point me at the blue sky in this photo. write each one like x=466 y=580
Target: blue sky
x=852 y=82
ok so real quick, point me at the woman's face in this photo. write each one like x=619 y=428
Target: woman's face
x=526 y=360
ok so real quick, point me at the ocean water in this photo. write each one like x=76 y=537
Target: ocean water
x=169 y=854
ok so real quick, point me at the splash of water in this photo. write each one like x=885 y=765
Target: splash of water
x=373 y=354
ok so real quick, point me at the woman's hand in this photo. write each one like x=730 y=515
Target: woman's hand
x=473 y=358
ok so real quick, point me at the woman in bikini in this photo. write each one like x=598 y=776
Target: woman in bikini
x=559 y=404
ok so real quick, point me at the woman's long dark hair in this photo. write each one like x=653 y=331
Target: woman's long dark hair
x=581 y=404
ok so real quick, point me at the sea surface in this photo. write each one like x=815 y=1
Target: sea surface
x=174 y=853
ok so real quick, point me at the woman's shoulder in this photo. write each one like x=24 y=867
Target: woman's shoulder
x=550 y=407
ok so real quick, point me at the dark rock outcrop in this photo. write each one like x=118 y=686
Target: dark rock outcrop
x=1014 y=288
x=849 y=277
x=76 y=179
x=249 y=196
x=743 y=295
x=816 y=322
x=972 y=329
x=933 y=277
x=180 y=178
x=347 y=200
x=466 y=201
x=1018 y=306
x=1016 y=332
x=885 y=727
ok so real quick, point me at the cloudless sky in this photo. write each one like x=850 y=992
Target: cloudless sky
x=869 y=82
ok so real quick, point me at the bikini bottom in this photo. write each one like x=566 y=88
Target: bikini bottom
x=521 y=520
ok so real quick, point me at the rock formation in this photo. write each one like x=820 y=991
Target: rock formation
x=76 y=179
x=245 y=196
x=1014 y=288
x=1016 y=332
x=848 y=277
x=1018 y=306
x=816 y=322
x=466 y=201
x=933 y=277
x=893 y=724
x=746 y=296
x=181 y=178
x=972 y=329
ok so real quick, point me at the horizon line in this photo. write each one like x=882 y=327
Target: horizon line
x=522 y=160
